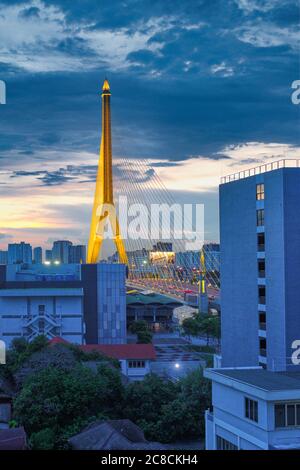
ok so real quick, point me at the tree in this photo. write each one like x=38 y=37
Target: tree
x=20 y=351
x=140 y=328
x=143 y=400
x=191 y=326
x=54 y=400
x=168 y=411
x=210 y=326
x=144 y=337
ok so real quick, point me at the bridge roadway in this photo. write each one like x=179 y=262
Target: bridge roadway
x=173 y=292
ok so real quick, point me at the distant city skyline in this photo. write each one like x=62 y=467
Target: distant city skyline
x=198 y=93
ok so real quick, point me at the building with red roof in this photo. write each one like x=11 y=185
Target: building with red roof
x=135 y=359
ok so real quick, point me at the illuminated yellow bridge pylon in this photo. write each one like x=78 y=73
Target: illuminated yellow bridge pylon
x=104 y=207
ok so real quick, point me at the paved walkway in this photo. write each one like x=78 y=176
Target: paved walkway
x=175 y=353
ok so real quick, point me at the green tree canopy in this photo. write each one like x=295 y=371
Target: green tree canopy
x=54 y=398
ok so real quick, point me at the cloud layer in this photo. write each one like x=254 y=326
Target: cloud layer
x=199 y=89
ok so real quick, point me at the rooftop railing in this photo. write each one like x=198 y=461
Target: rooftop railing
x=284 y=163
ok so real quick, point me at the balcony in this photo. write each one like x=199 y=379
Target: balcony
x=263 y=352
x=261 y=248
x=262 y=326
x=262 y=274
x=262 y=299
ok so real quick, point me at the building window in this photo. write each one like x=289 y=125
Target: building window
x=260 y=192
x=260 y=242
x=262 y=295
x=260 y=217
x=136 y=364
x=262 y=347
x=251 y=409
x=262 y=320
x=261 y=268
x=41 y=310
x=287 y=414
x=223 y=444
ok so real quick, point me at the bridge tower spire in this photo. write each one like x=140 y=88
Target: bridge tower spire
x=104 y=206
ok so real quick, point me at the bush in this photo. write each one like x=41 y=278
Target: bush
x=43 y=440
x=140 y=328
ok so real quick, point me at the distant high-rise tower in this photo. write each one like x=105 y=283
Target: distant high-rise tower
x=19 y=253
x=38 y=255
x=104 y=207
x=60 y=251
x=77 y=254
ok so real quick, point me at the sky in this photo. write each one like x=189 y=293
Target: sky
x=200 y=88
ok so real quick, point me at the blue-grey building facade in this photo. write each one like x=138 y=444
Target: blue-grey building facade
x=111 y=308
x=260 y=269
x=256 y=381
x=19 y=253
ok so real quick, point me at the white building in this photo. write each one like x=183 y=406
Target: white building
x=253 y=409
x=31 y=312
x=135 y=359
x=82 y=303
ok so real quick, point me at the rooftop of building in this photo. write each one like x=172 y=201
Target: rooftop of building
x=150 y=298
x=272 y=166
x=261 y=378
x=116 y=351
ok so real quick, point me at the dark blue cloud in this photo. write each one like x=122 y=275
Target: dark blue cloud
x=32 y=12
x=203 y=89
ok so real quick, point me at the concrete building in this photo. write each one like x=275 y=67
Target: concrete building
x=48 y=256
x=80 y=303
x=212 y=256
x=60 y=251
x=138 y=260
x=260 y=266
x=256 y=390
x=135 y=359
x=35 y=301
x=187 y=259
x=38 y=255
x=19 y=253
x=77 y=254
x=111 y=293
x=3 y=257
x=253 y=409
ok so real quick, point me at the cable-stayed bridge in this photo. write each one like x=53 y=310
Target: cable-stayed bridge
x=163 y=247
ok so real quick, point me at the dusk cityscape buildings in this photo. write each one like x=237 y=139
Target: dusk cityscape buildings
x=149 y=231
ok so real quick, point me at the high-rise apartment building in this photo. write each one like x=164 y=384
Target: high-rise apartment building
x=3 y=257
x=19 y=253
x=77 y=254
x=48 y=256
x=60 y=251
x=38 y=255
x=260 y=267
x=256 y=391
